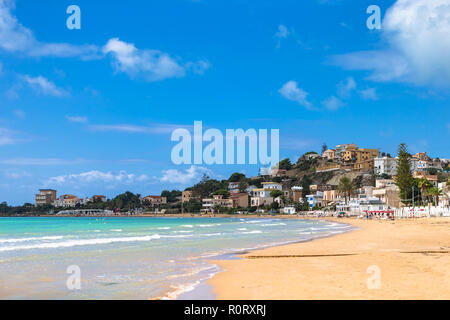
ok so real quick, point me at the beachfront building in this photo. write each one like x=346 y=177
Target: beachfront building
x=67 y=201
x=387 y=192
x=45 y=196
x=444 y=198
x=187 y=195
x=358 y=206
x=208 y=204
x=330 y=197
x=385 y=165
x=240 y=200
x=155 y=200
x=260 y=201
x=289 y=210
x=315 y=200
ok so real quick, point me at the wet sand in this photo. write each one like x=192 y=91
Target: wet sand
x=412 y=258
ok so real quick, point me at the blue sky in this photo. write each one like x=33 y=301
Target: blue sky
x=91 y=111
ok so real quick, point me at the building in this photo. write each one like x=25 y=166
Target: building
x=260 y=201
x=385 y=165
x=315 y=200
x=155 y=200
x=45 y=196
x=272 y=186
x=330 y=196
x=261 y=192
x=187 y=195
x=433 y=179
x=217 y=200
x=240 y=200
x=422 y=156
x=98 y=198
x=233 y=187
x=387 y=192
x=289 y=210
x=67 y=201
x=444 y=198
x=359 y=160
x=361 y=206
x=297 y=194
x=278 y=172
x=329 y=154
x=342 y=148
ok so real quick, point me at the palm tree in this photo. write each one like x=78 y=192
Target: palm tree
x=435 y=192
x=424 y=186
x=346 y=187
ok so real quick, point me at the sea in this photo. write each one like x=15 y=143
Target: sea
x=133 y=257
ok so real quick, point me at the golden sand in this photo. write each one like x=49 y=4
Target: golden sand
x=412 y=256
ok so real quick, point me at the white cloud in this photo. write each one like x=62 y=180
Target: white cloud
x=77 y=119
x=369 y=94
x=291 y=91
x=152 y=65
x=333 y=103
x=94 y=176
x=16 y=175
x=282 y=32
x=191 y=175
x=16 y=38
x=20 y=114
x=130 y=128
x=417 y=34
x=9 y=137
x=345 y=88
x=43 y=86
x=40 y=161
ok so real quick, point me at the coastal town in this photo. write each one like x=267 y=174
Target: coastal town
x=346 y=179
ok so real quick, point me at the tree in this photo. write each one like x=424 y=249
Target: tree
x=276 y=193
x=435 y=192
x=236 y=177
x=324 y=147
x=221 y=192
x=171 y=195
x=404 y=179
x=275 y=205
x=346 y=187
x=192 y=206
x=305 y=184
x=243 y=185
x=285 y=164
x=424 y=185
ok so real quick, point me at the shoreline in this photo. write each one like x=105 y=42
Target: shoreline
x=411 y=255
x=205 y=291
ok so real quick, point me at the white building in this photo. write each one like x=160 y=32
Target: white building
x=233 y=187
x=315 y=199
x=289 y=210
x=385 y=165
x=272 y=185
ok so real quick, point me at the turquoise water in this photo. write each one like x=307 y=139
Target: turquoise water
x=131 y=258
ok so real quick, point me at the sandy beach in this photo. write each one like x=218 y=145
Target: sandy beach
x=412 y=257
